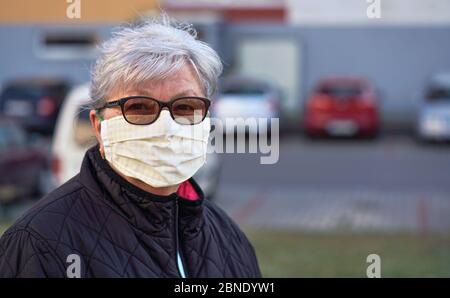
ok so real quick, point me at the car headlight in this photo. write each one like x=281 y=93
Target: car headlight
x=434 y=124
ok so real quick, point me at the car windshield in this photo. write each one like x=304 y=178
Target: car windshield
x=21 y=93
x=341 y=91
x=440 y=93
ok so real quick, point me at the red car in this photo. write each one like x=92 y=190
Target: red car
x=342 y=106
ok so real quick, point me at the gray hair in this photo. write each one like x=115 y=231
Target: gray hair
x=151 y=51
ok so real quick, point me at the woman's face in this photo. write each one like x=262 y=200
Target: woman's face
x=183 y=83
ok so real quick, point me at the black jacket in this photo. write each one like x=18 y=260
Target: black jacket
x=118 y=230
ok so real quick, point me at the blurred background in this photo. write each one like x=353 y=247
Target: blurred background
x=363 y=96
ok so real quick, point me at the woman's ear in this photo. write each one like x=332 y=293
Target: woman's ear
x=95 y=117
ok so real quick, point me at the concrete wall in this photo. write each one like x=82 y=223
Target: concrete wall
x=19 y=53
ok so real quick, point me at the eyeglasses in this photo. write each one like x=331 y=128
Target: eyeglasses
x=143 y=110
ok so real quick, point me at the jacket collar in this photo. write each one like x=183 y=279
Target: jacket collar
x=145 y=210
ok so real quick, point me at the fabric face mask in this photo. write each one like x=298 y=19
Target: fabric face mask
x=160 y=154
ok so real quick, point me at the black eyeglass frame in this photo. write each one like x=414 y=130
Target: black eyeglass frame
x=121 y=102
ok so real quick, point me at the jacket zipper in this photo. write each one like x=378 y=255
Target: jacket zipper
x=179 y=257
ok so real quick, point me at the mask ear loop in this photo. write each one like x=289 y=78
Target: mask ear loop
x=101 y=118
x=99 y=115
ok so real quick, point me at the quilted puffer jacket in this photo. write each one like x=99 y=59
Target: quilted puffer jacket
x=118 y=230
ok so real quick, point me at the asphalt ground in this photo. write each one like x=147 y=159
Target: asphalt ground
x=392 y=183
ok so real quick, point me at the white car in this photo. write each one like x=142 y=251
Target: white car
x=434 y=114
x=246 y=98
x=74 y=135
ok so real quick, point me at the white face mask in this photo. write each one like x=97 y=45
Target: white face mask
x=163 y=153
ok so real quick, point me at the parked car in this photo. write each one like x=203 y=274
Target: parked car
x=245 y=98
x=342 y=106
x=433 y=122
x=34 y=102
x=23 y=164
x=74 y=135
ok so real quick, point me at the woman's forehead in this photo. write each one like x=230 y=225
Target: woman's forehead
x=182 y=83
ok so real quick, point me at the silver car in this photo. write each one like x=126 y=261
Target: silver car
x=434 y=113
x=246 y=98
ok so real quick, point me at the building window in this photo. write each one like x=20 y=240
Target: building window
x=66 y=45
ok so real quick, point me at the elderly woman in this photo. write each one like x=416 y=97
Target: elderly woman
x=134 y=210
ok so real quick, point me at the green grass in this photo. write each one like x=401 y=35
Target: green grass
x=297 y=254
x=4 y=226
